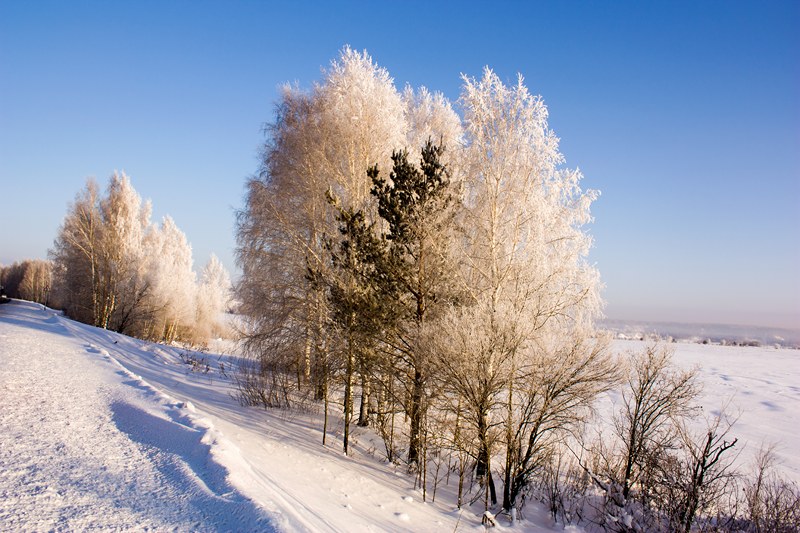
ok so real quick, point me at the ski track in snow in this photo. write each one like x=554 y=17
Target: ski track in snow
x=281 y=465
x=85 y=444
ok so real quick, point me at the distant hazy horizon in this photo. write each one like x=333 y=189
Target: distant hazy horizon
x=731 y=318
x=637 y=314
x=697 y=332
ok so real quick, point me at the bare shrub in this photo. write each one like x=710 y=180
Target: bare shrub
x=563 y=487
x=259 y=384
x=772 y=503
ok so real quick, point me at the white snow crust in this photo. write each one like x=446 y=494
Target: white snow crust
x=101 y=431
x=87 y=444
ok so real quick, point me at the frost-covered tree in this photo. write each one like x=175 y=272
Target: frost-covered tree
x=76 y=254
x=430 y=117
x=126 y=221
x=362 y=120
x=173 y=281
x=37 y=281
x=213 y=297
x=523 y=255
x=322 y=140
x=280 y=230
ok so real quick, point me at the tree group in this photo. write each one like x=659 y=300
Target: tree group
x=428 y=263
x=31 y=279
x=113 y=268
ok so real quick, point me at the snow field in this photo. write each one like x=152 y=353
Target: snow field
x=101 y=431
x=759 y=389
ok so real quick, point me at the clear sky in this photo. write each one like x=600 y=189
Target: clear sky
x=685 y=115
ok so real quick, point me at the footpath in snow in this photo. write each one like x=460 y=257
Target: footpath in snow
x=85 y=444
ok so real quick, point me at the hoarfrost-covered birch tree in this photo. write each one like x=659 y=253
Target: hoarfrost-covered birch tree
x=213 y=298
x=280 y=230
x=174 y=282
x=126 y=222
x=524 y=260
x=321 y=141
x=362 y=117
x=76 y=258
x=431 y=117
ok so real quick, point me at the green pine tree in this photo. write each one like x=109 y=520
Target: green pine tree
x=417 y=205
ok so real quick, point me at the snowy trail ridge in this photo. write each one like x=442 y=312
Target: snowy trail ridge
x=86 y=444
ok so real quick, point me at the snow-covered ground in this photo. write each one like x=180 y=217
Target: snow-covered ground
x=758 y=388
x=98 y=430
x=87 y=444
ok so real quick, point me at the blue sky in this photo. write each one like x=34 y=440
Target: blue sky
x=685 y=115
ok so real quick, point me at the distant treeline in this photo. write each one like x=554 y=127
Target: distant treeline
x=31 y=279
x=724 y=334
x=113 y=268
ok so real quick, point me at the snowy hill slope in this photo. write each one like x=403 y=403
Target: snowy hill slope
x=98 y=430
x=101 y=430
